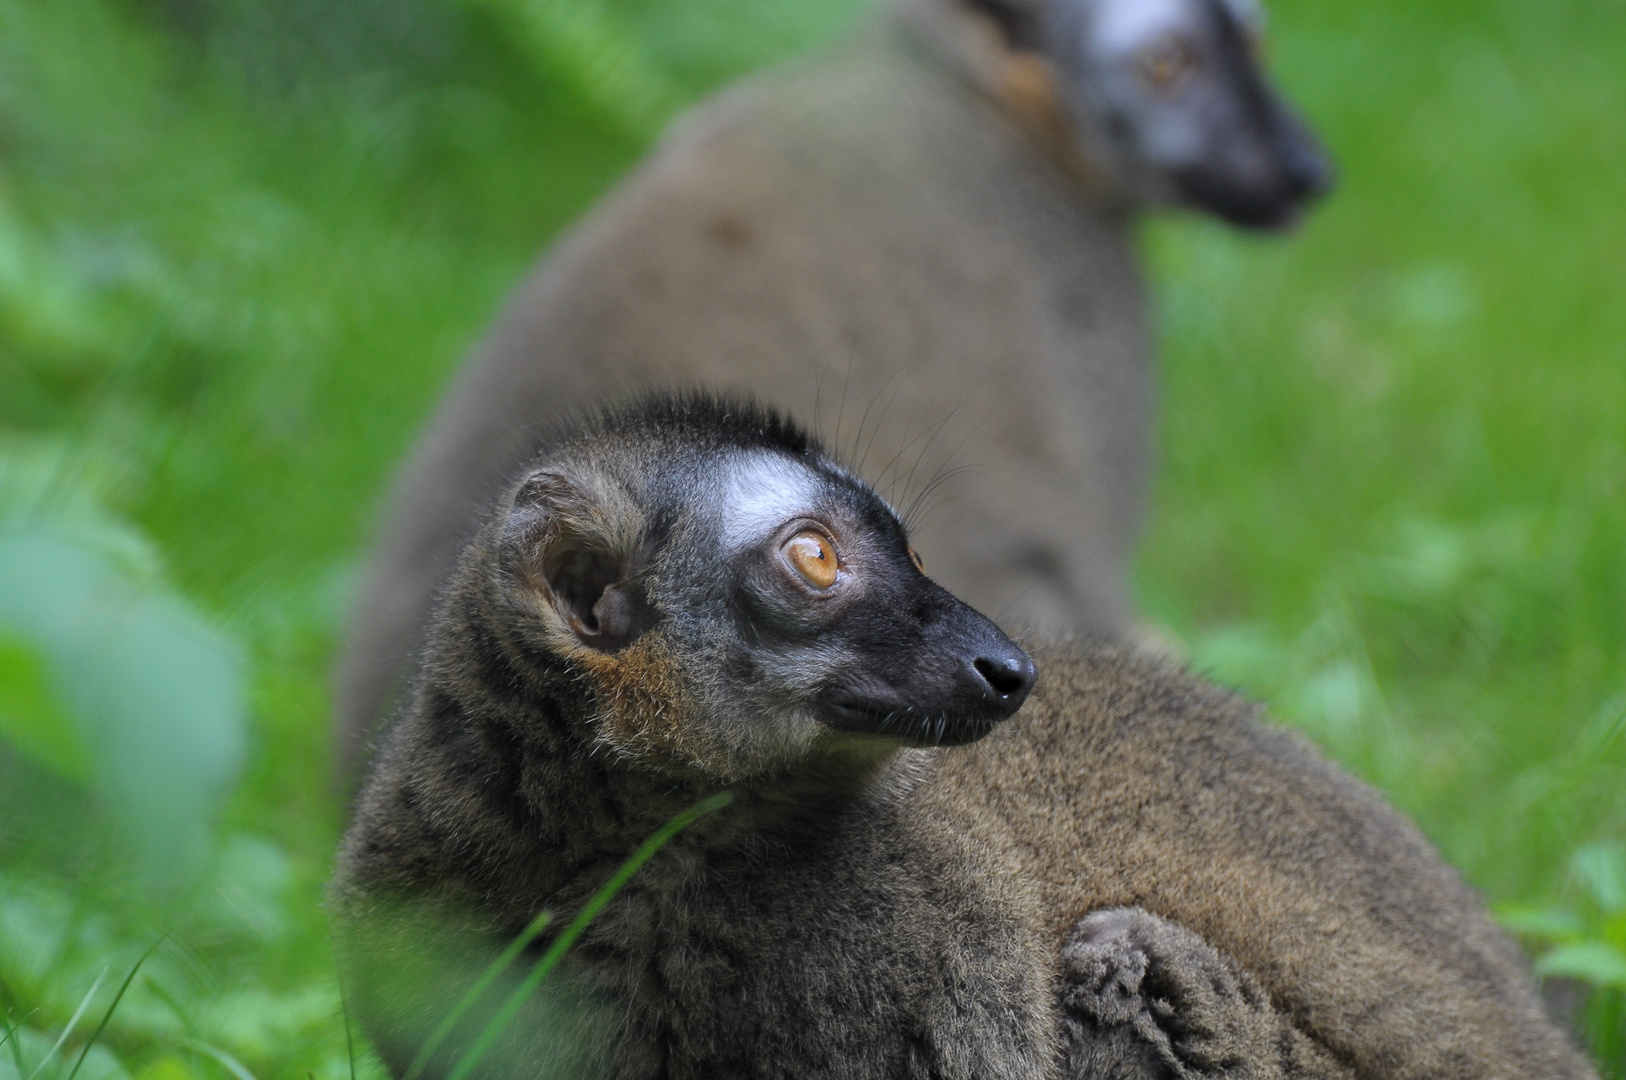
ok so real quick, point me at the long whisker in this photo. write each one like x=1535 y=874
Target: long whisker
x=896 y=380
x=923 y=505
x=930 y=433
x=950 y=456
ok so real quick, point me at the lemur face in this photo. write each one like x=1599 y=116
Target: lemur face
x=1169 y=96
x=835 y=614
x=741 y=603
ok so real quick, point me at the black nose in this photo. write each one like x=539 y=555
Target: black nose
x=1308 y=172
x=1006 y=678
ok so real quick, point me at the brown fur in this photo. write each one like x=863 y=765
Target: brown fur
x=1126 y=783
x=641 y=705
x=870 y=912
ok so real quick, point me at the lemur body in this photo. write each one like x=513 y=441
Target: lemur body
x=1126 y=782
x=922 y=240
x=689 y=597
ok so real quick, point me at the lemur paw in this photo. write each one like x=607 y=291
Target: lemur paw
x=1125 y=970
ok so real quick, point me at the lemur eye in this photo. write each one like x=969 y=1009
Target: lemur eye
x=914 y=557
x=811 y=556
x=1166 y=63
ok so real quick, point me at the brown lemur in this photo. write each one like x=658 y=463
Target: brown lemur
x=1131 y=879
x=922 y=240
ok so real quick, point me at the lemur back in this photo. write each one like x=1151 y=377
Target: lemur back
x=1129 y=879
x=1128 y=783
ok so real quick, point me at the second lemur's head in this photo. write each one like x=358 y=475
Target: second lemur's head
x=725 y=598
x=1163 y=101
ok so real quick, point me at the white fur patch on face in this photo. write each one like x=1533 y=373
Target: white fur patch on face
x=763 y=492
x=1125 y=25
x=1250 y=13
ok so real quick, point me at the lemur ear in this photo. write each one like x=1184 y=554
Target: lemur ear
x=574 y=549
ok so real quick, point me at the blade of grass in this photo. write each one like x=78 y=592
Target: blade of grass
x=73 y=1022
x=481 y=985
x=170 y=1002
x=16 y=1044
x=478 y=1049
x=108 y=1015
x=226 y=1061
x=349 y=1039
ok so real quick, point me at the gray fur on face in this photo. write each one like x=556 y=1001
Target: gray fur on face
x=1168 y=95
x=655 y=539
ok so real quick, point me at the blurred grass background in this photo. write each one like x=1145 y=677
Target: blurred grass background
x=243 y=243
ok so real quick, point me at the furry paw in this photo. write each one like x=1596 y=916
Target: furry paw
x=1126 y=972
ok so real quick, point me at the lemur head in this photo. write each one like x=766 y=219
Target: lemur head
x=726 y=598
x=1164 y=100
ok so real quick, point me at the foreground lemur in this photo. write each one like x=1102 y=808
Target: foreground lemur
x=923 y=239
x=1131 y=879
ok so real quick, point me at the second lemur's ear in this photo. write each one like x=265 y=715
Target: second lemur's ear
x=575 y=549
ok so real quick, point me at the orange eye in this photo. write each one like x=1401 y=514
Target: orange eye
x=914 y=557
x=810 y=555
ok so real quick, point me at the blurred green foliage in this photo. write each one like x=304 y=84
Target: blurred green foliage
x=113 y=684
x=243 y=243
x=1585 y=940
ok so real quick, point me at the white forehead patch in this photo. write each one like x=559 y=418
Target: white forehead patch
x=1122 y=25
x=762 y=492
x=1250 y=13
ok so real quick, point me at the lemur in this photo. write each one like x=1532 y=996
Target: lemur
x=922 y=240
x=1130 y=878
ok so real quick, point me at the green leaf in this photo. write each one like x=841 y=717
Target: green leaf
x=1601 y=870
x=587 y=45
x=153 y=692
x=160 y=692
x=1544 y=924
x=1589 y=961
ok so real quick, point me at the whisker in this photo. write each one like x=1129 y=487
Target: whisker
x=924 y=505
x=931 y=431
x=846 y=382
x=896 y=380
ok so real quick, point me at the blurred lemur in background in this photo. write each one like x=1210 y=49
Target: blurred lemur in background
x=923 y=241
x=1133 y=879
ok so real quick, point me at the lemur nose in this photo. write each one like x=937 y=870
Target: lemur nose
x=1006 y=679
x=1310 y=175
x=1306 y=168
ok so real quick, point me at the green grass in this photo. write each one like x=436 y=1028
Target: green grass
x=1392 y=498
x=243 y=243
